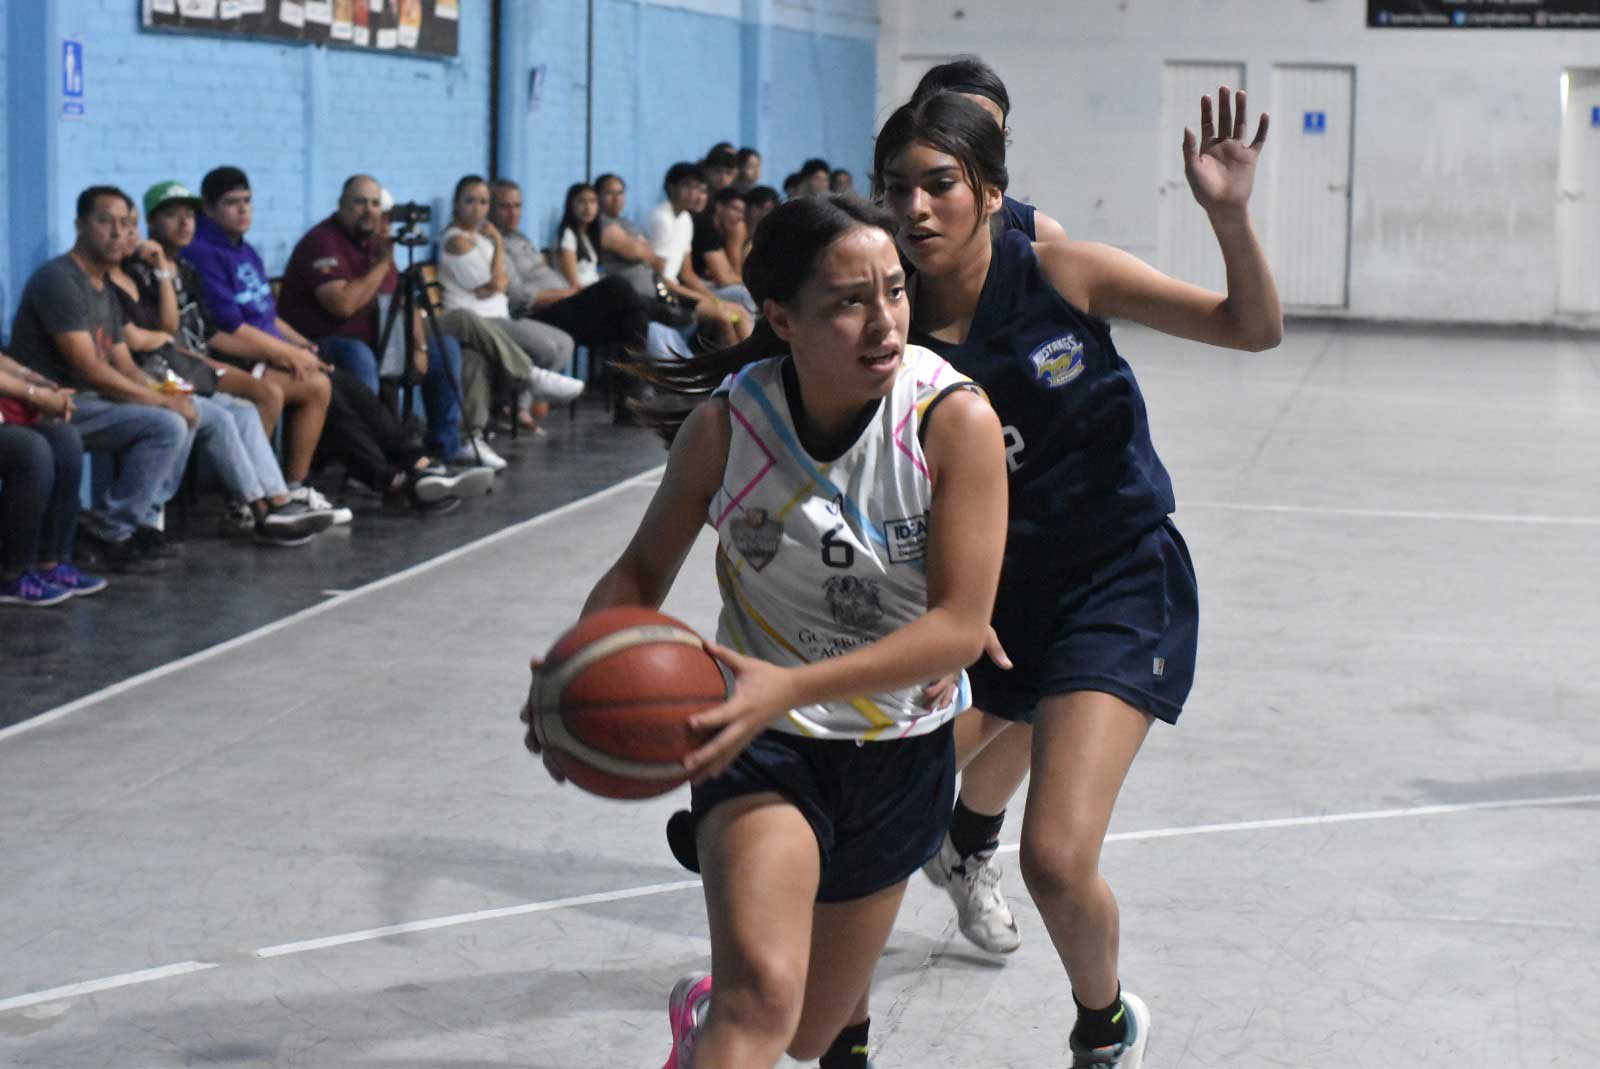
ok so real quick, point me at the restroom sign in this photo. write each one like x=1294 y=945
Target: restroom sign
x=1316 y=122
x=72 y=78
x=1594 y=116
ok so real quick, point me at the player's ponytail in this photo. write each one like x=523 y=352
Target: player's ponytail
x=784 y=253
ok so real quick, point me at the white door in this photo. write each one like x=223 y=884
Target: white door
x=1187 y=248
x=1308 y=160
x=1578 y=194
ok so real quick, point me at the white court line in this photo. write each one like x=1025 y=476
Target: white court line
x=1341 y=818
x=89 y=987
x=650 y=890
x=471 y=918
x=1400 y=514
x=342 y=599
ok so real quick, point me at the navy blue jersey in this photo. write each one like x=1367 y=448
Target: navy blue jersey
x=1015 y=215
x=1085 y=478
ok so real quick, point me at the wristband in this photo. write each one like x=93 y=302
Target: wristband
x=164 y=276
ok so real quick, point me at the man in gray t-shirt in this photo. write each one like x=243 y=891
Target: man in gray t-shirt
x=69 y=328
x=60 y=299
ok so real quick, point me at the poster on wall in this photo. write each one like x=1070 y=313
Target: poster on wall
x=1483 y=14
x=419 y=27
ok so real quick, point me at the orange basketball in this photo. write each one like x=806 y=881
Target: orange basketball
x=614 y=698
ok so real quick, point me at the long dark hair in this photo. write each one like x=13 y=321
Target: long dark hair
x=783 y=255
x=954 y=125
x=965 y=74
x=570 y=221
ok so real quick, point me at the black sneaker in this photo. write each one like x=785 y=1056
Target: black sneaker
x=681 y=840
x=295 y=518
x=155 y=544
x=123 y=557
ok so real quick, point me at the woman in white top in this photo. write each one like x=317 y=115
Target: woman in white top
x=579 y=236
x=857 y=489
x=474 y=277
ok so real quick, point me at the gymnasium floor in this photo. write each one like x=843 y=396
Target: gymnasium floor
x=1372 y=842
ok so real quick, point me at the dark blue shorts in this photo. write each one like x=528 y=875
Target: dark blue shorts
x=879 y=810
x=1126 y=624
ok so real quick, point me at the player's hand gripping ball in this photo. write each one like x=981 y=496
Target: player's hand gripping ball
x=610 y=704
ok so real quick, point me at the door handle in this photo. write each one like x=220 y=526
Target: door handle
x=1335 y=187
x=1571 y=194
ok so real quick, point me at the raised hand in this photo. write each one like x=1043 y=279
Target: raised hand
x=1220 y=166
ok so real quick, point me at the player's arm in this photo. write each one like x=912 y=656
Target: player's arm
x=1113 y=284
x=644 y=573
x=1220 y=168
x=966 y=537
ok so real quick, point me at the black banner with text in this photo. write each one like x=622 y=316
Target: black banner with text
x=418 y=27
x=1484 y=14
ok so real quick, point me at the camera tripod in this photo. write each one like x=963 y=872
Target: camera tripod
x=410 y=303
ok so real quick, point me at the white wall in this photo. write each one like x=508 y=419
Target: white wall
x=1457 y=132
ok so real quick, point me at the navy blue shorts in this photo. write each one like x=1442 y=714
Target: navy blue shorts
x=879 y=810
x=1126 y=624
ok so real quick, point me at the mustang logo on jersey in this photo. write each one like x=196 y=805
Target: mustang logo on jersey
x=854 y=602
x=1058 y=361
x=757 y=536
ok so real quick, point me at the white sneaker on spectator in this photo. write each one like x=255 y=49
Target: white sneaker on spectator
x=312 y=499
x=475 y=453
x=553 y=387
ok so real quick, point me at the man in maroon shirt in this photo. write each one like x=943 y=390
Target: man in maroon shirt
x=331 y=291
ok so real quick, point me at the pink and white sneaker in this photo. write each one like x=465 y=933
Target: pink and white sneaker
x=686 y=1012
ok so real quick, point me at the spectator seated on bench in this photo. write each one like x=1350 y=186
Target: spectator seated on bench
x=69 y=331
x=41 y=468
x=335 y=288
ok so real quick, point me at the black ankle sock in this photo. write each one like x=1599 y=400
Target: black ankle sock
x=849 y=1051
x=1100 y=1028
x=974 y=833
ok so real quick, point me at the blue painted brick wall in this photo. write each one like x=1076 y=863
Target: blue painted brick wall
x=417 y=125
x=668 y=83
x=666 y=89
x=8 y=292
x=297 y=119
x=823 y=98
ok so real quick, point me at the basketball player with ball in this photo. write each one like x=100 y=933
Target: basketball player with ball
x=857 y=488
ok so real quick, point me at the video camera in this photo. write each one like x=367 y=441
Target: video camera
x=408 y=217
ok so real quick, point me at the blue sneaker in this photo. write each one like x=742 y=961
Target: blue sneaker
x=29 y=589
x=79 y=584
x=1129 y=1054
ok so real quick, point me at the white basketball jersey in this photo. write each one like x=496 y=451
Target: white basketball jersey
x=816 y=558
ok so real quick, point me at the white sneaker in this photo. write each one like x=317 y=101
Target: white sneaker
x=553 y=387
x=484 y=457
x=312 y=499
x=973 y=884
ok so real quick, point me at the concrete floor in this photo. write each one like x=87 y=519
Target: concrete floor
x=1372 y=842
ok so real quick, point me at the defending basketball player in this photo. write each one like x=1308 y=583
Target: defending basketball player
x=1098 y=606
x=857 y=489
